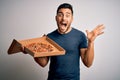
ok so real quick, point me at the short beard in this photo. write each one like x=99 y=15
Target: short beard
x=64 y=31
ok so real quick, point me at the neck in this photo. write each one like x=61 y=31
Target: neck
x=67 y=31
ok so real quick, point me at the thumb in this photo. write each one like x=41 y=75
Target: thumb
x=87 y=31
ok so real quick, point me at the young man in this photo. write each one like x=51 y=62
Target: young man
x=76 y=44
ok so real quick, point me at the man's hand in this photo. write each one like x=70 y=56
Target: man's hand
x=42 y=61
x=95 y=32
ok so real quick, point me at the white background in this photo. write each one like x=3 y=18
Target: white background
x=23 y=19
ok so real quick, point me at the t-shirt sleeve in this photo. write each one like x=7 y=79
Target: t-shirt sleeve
x=84 y=43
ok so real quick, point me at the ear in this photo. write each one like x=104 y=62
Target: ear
x=72 y=19
x=56 y=18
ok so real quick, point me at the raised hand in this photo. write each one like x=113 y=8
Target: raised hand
x=98 y=30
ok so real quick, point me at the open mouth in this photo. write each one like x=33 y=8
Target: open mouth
x=63 y=27
x=64 y=24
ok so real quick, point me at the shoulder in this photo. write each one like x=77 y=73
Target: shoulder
x=53 y=33
x=76 y=31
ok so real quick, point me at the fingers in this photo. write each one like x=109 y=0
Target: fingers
x=100 y=33
x=100 y=27
x=98 y=30
x=87 y=32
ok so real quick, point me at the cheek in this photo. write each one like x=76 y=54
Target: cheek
x=58 y=20
x=71 y=20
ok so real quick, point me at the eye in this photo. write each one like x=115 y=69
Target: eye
x=59 y=14
x=67 y=15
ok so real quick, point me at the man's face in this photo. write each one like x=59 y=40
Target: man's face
x=64 y=18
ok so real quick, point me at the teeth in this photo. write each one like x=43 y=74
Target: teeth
x=64 y=24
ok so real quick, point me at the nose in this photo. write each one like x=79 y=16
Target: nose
x=64 y=17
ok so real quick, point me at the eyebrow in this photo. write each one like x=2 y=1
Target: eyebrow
x=66 y=12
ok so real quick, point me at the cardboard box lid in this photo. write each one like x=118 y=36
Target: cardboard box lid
x=16 y=47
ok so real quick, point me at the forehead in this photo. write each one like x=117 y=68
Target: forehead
x=65 y=10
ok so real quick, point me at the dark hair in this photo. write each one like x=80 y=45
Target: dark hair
x=65 y=5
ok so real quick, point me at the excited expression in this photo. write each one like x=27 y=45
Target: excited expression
x=64 y=19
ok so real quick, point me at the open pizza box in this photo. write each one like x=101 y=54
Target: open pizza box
x=37 y=47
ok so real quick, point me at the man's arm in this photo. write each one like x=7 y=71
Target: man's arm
x=42 y=61
x=87 y=54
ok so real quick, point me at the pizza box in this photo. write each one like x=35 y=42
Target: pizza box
x=36 y=47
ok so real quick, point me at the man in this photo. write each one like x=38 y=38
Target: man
x=76 y=44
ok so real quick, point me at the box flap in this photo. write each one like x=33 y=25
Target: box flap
x=14 y=47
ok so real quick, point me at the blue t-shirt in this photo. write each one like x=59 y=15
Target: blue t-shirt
x=66 y=67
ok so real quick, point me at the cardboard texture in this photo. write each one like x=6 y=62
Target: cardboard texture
x=16 y=47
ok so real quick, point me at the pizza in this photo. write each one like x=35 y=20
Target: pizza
x=40 y=47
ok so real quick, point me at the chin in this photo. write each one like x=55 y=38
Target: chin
x=62 y=32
